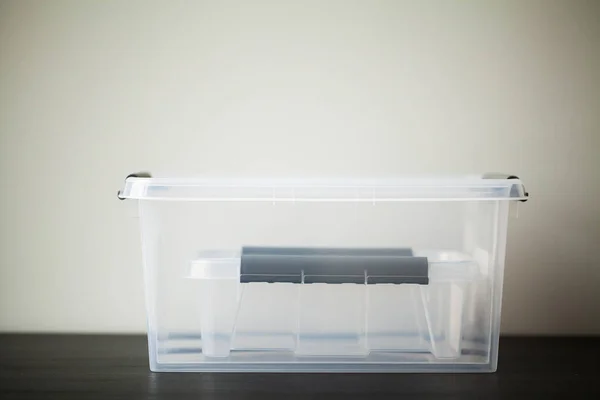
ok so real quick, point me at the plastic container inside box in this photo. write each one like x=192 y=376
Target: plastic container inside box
x=352 y=276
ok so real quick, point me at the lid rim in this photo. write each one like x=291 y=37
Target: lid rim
x=333 y=190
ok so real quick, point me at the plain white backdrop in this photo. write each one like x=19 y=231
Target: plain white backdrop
x=93 y=90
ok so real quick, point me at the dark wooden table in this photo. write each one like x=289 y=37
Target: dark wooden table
x=106 y=367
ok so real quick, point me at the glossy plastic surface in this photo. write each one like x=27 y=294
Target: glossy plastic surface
x=203 y=317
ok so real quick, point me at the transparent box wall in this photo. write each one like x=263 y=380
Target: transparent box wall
x=203 y=317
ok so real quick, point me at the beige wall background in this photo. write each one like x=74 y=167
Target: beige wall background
x=93 y=90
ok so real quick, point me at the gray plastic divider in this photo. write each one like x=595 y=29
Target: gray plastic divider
x=332 y=265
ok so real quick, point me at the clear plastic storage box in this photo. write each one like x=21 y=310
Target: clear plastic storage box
x=324 y=276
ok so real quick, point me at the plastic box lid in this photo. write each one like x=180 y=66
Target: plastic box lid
x=469 y=188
